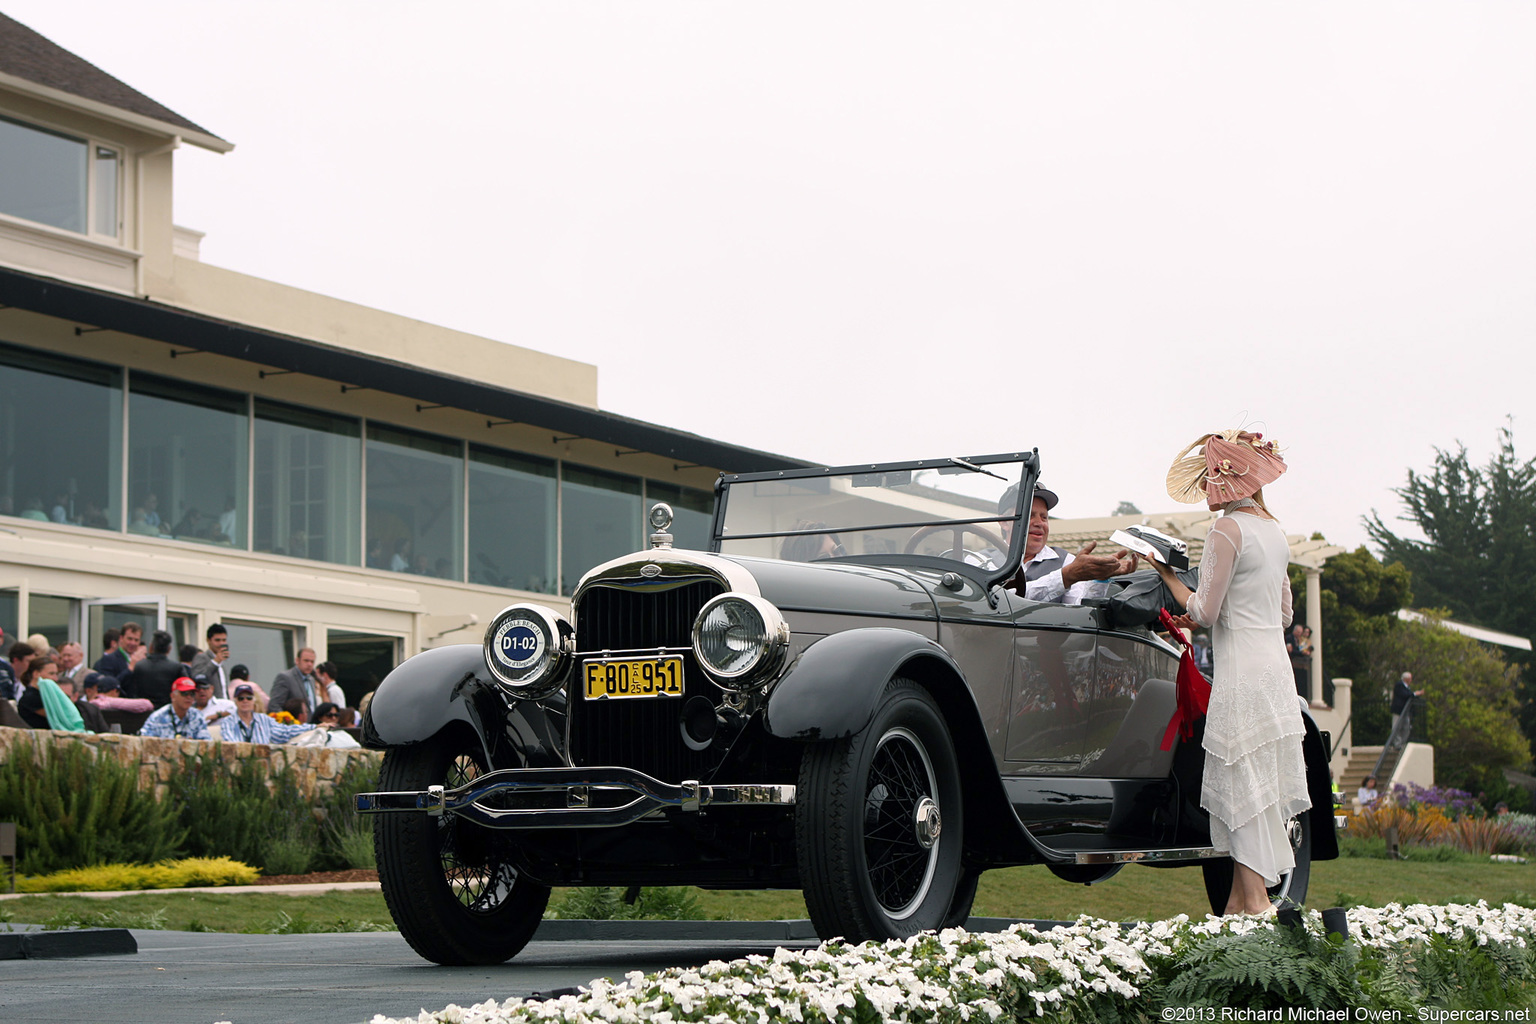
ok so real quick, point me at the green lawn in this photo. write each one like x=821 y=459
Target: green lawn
x=1135 y=893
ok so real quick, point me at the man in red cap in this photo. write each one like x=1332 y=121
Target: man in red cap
x=179 y=718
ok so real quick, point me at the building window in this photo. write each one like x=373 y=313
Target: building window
x=51 y=178
x=186 y=461
x=308 y=484
x=415 y=503
x=361 y=660
x=511 y=520
x=600 y=519
x=693 y=513
x=61 y=439
x=265 y=651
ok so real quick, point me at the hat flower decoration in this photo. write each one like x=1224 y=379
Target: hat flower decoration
x=1228 y=466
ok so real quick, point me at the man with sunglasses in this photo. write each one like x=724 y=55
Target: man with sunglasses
x=247 y=725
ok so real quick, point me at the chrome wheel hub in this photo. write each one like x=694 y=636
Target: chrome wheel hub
x=926 y=822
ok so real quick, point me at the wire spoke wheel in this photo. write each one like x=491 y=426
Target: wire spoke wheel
x=878 y=824
x=452 y=886
x=900 y=861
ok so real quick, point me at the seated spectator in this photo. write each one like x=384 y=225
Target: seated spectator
x=45 y=705
x=296 y=709
x=326 y=714
x=247 y=725
x=34 y=510
x=40 y=644
x=103 y=691
x=60 y=511
x=178 y=718
x=1367 y=792
x=141 y=524
x=89 y=713
x=214 y=709
x=242 y=674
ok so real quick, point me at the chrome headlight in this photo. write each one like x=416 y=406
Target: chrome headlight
x=528 y=649
x=740 y=640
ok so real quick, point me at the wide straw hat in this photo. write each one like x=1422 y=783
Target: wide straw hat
x=1230 y=465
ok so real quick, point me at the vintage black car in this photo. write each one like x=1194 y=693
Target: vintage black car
x=839 y=696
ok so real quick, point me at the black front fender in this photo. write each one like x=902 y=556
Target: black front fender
x=447 y=685
x=831 y=690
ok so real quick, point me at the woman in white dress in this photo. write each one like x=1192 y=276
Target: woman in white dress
x=1255 y=775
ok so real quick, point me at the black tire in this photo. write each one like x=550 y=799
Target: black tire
x=453 y=893
x=1293 y=884
x=879 y=826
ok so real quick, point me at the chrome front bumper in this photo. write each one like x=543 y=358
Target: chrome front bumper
x=579 y=785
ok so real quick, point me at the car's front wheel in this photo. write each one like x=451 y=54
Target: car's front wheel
x=450 y=884
x=878 y=824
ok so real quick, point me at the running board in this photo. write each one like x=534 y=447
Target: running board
x=1147 y=856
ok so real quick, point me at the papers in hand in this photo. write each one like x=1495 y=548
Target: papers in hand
x=1144 y=540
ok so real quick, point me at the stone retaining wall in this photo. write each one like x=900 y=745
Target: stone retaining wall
x=315 y=769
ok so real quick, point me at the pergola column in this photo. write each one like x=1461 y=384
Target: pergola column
x=1315 y=623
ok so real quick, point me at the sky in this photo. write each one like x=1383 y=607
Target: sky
x=852 y=232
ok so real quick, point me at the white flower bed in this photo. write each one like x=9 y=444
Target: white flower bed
x=951 y=975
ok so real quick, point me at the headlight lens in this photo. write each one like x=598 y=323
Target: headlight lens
x=740 y=639
x=528 y=649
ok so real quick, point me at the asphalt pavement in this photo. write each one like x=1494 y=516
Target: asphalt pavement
x=202 y=977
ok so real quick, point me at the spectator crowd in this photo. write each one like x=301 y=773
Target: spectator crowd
x=199 y=693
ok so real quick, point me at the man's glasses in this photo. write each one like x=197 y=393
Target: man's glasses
x=245 y=696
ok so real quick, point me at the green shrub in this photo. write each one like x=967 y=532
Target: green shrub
x=606 y=903
x=290 y=849
x=225 y=813
x=346 y=837
x=76 y=810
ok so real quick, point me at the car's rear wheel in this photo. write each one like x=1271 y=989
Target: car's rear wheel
x=450 y=884
x=878 y=824
x=1293 y=884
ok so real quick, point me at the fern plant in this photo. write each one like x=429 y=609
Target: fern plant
x=1266 y=969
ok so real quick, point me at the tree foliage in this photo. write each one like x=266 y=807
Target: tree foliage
x=1479 y=558
x=1470 y=702
x=1359 y=597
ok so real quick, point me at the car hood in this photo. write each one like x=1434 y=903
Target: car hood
x=842 y=587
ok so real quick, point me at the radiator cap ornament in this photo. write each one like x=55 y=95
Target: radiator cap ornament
x=660 y=519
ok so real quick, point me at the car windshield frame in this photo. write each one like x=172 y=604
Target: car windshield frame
x=880 y=475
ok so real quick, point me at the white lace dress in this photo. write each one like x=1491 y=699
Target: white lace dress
x=1255 y=775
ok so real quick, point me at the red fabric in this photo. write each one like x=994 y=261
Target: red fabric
x=1192 y=690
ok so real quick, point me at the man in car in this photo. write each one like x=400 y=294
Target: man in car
x=1051 y=574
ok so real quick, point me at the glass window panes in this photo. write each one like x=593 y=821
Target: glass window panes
x=601 y=518
x=511 y=520
x=186 y=461
x=361 y=660
x=42 y=176
x=61 y=430
x=415 y=503
x=51 y=616
x=307 y=495
x=693 y=512
x=264 y=650
x=106 y=191
x=10 y=619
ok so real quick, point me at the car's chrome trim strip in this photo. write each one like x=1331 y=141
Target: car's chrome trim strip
x=651 y=796
x=1147 y=856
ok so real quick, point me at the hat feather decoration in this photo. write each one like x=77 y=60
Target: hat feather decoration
x=1230 y=465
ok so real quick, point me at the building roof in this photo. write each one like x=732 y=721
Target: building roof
x=29 y=57
x=159 y=322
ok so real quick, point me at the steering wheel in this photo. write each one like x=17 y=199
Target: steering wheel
x=958 y=543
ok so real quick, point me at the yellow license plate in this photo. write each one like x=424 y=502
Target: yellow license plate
x=634 y=677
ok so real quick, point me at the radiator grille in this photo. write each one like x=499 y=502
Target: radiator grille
x=643 y=733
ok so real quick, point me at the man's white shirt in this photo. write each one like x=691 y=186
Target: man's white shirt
x=1050 y=588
